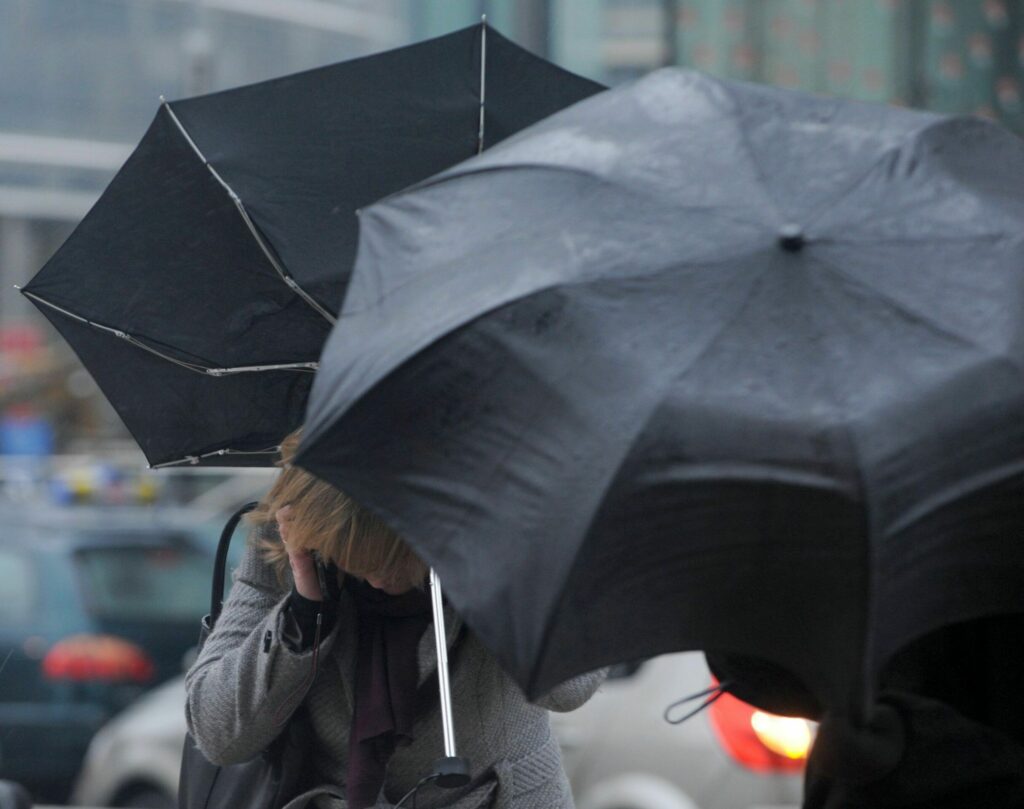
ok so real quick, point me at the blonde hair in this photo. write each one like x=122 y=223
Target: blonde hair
x=329 y=522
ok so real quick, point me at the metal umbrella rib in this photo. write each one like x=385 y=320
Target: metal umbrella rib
x=291 y=282
x=483 y=82
x=195 y=459
x=309 y=367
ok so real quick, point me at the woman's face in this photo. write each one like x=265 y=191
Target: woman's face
x=386 y=586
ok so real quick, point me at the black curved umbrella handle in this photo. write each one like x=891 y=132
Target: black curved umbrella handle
x=221 y=561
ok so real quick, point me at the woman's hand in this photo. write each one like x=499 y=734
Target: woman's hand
x=303 y=566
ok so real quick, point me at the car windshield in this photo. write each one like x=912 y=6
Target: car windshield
x=166 y=583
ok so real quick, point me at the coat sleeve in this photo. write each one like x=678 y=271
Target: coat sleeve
x=246 y=681
x=571 y=694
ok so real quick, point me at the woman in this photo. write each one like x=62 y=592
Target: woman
x=361 y=659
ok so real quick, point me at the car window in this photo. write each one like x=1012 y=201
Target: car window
x=146 y=583
x=17 y=588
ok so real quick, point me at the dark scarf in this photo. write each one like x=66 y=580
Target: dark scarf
x=386 y=680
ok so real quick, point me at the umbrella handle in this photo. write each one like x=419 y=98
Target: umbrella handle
x=451 y=771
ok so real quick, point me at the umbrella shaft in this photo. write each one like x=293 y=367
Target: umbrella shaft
x=444 y=686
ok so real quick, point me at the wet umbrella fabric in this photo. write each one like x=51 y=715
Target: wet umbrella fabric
x=199 y=289
x=698 y=364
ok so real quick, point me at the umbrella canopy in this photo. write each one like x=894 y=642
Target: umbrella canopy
x=698 y=364
x=199 y=289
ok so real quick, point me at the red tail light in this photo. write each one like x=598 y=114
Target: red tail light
x=88 y=658
x=761 y=741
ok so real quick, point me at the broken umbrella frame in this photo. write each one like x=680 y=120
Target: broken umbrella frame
x=201 y=287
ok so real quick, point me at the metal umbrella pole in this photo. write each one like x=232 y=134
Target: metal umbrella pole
x=451 y=771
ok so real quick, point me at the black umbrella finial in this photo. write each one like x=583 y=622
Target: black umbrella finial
x=791 y=238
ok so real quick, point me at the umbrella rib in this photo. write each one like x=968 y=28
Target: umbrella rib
x=191 y=366
x=917 y=317
x=244 y=213
x=745 y=139
x=849 y=190
x=195 y=459
x=962 y=490
x=483 y=82
x=978 y=237
x=869 y=511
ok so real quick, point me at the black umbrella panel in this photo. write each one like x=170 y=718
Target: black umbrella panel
x=697 y=364
x=200 y=288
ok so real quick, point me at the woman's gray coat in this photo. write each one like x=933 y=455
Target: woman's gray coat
x=246 y=680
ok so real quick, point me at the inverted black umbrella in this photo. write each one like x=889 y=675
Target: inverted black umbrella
x=199 y=289
x=698 y=364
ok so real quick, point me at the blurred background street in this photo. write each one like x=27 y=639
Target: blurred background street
x=80 y=81
x=105 y=564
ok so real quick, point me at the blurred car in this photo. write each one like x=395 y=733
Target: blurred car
x=96 y=606
x=135 y=759
x=619 y=751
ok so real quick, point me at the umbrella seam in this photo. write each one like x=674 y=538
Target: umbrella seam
x=867 y=523
x=868 y=520
x=614 y=476
x=962 y=489
x=453 y=174
x=483 y=82
x=450 y=175
x=559 y=284
x=892 y=150
x=745 y=140
x=917 y=317
x=978 y=237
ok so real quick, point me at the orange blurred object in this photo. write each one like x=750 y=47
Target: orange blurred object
x=758 y=740
x=84 y=658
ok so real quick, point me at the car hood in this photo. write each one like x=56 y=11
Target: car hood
x=160 y=712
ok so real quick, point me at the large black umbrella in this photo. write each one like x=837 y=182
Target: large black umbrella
x=698 y=364
x=199 y=289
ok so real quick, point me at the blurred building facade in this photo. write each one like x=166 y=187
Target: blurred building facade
x=955 y=56
x=80 y=79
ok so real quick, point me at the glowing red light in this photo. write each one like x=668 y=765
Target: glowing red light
x=88 y=658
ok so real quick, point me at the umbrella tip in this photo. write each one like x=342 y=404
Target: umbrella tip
x=791 y=238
